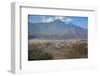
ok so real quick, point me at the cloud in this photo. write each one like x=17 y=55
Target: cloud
x=68 y=20
x=59 y=17
x=51 y=19
x=47 y=20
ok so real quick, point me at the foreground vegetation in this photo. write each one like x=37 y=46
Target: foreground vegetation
x=61 y=50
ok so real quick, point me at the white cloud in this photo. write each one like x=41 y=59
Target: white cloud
x=68 y=19
x=47 y=20
x=59 y=17
x=51 y=19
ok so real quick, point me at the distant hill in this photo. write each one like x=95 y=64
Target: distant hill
x=56 y=30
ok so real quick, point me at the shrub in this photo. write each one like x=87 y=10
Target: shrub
x=38 y=54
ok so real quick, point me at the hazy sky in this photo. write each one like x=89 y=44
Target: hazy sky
x=76 y=20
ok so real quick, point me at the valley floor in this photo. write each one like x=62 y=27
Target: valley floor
x=59 y=49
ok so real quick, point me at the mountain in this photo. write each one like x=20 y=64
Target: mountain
x=56 y=30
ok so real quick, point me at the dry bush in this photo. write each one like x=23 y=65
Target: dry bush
x=38 y=54
x=79 y=50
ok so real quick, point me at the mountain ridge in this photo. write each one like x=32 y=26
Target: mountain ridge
x=56 y=30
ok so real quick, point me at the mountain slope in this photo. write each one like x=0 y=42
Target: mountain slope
x=56 y=30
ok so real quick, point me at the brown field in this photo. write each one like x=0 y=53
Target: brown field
x=48 y=50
